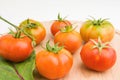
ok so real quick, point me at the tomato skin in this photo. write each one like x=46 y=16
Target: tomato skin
x=70 y=40
x=90 y=31
x=39 y=32
x=95 y=60
x=54 y=65
x=57 y=25
x=15 y=49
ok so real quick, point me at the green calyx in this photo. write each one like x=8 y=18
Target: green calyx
x=67 y=29
x=60 y=18
x=97 y=22
x=30 y=25
x=55 y=49
x=99 y=45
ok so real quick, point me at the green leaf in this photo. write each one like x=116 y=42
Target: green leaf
x=17 y=71
x=7 y=71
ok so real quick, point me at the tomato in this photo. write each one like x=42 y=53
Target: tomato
x=15 y=49
x=70 y=39
x=54 y=63
x=58 y=24
x=97 y=55
x=92 y=29
x=34 y=28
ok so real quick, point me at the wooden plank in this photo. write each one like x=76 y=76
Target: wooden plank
x=79 y=71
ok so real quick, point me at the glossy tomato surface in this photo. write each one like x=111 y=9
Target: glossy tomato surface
x=15 y=49
x=54 y=65
x=70 y=40
x=98 y=60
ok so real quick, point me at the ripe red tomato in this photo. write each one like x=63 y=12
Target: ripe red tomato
x=58 y=24
x=70 y=39
x=92 y=29
x=54 y=62
x=98 y=56
x=15 y=49
x=35 y=29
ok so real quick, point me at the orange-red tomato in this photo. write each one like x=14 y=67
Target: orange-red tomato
x=98 y=57
x=54 y=65
x=58 y=24
x=70 y=40
x=92 y=29
x=15 y=49
x=35 y=29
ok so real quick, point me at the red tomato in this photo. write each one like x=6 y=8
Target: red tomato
x=70 y=39
x=98 y=56
x=54 y=63
x=92 y=29
x=58 y=24
x=15 y=49
x=35 y=29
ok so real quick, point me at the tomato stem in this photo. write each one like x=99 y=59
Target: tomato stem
x=60 y=18
x=30 y=36
x=20 y=30
x=9 y=23
x=18 y=33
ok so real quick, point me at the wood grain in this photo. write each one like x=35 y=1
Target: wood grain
x=78 y=70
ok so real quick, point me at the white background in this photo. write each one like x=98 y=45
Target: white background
x=44 y=10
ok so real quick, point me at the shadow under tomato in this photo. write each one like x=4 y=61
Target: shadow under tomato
x=37 y=76
x=86 y=71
